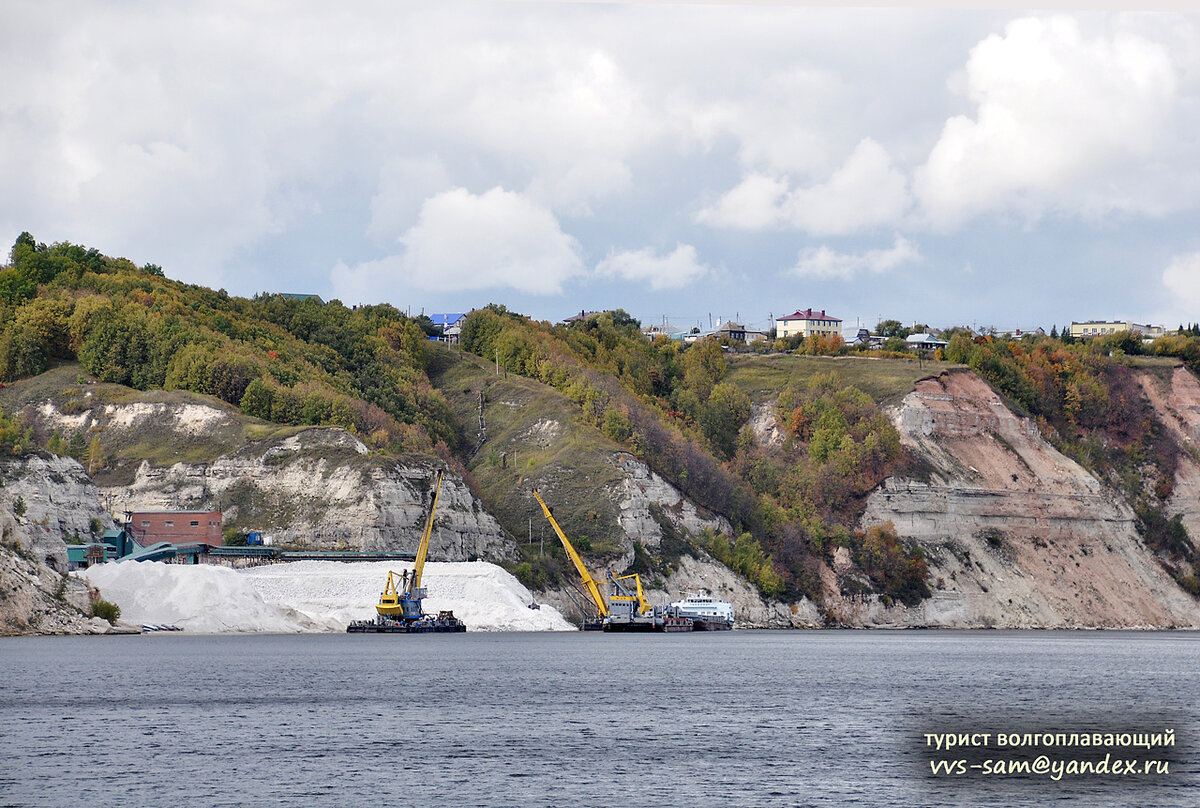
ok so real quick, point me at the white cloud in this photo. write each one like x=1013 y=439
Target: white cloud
x=864 y=193
x=1182 y=281
x=1062 y=121
x=404 y=183
x=753 y=204
x=462 y=241
x=822 y=263
x=674 y=271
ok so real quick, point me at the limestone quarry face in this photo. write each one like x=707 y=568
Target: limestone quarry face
x=319 y=488
x=322 y=489
x=1017 y=535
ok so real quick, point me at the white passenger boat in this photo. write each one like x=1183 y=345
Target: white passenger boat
x=706 y=612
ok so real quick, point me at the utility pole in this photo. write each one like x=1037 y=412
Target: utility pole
x=497 y=361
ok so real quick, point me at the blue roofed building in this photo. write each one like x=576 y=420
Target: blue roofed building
x=450 y=325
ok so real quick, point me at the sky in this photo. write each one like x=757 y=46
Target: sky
x=692 y=163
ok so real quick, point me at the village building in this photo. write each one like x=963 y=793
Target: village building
x=580 y=317
x=450 y=326
x=925 y=341
x=808 y=323
x=1099 y=328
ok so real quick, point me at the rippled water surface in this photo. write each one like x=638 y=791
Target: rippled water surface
x=733 y=719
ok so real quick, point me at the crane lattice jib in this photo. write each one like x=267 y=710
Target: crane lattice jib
x=588 y=583
x=414 y=583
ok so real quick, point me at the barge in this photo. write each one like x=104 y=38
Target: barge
x=444 y=623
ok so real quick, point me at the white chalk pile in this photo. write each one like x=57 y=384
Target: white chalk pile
x=310 y=596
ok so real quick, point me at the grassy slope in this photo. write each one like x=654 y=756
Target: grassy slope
x=124 y=450
x=573 y=469
x=885 y=380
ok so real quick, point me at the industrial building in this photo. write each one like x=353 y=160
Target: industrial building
x=176 y=527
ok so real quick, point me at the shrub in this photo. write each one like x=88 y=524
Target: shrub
x=106 y=611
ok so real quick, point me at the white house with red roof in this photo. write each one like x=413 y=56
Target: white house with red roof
x=808 y=322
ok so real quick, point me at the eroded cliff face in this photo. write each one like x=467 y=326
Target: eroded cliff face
x=1176 y=402
x=1016 y=534
x=318 y=487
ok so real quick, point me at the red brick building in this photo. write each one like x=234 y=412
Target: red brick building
x=177 y=527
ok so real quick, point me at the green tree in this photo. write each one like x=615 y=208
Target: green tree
x=892 y=328
x=616 y=425
x=703 y=366
x=723 y=415
x=256 y=401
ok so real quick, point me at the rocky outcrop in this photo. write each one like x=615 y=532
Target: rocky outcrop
x=641 y=493
x=45 y=500
x=34 y=599
x=765 y=425
x=1016 y=534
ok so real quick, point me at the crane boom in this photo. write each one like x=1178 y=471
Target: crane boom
x=588 y=582
x=414 y=583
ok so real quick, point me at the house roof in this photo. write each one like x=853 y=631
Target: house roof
x=446 y=320
x=924 y=339
x=730 y=325
x=809 y=314
x=582 y=315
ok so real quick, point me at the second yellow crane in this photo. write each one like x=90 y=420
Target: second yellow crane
x=627 y=608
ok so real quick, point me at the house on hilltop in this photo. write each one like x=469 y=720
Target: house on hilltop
x=300 y=296
x=736 y=332
x=580 y=317
x=807 y=323
x=925 y=341
x=1099 y=328
x=450 y=325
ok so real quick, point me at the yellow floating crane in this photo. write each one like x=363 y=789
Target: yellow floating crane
x=406 y=605
x=589 y=583
x=627 y=595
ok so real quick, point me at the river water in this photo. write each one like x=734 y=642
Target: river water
x=745 y=718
